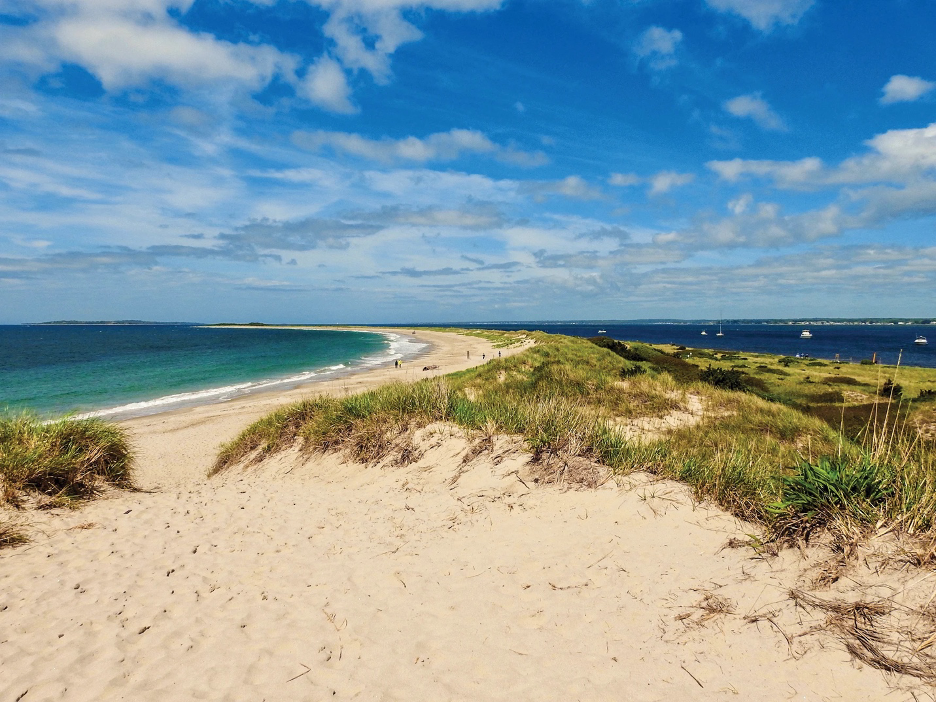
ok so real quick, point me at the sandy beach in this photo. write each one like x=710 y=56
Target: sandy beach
x=456 y=577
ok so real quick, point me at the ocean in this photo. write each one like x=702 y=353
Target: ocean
x=852 y=342
x=121 y=371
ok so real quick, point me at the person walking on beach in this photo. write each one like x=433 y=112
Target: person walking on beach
x=469 y=355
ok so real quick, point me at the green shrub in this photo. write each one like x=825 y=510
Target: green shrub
x=632 y=370
x=618 y=347
x=726 y=379
x=840 y=380
x=890 y=389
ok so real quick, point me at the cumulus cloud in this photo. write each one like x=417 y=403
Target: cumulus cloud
x=764 y=14
x=754 y=107
x=326 y=85
x=665 y=181
x=573 y=186
x=898 y=155
x=902 y=88
x=624 y=179
x=441 y=146
x=658 y=46
x=130 y=43
x=785 y=173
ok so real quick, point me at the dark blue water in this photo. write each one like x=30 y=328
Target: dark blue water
x=142 y=369
x=850 y=342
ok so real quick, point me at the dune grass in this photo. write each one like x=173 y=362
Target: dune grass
x=568 y=398
x=11 y=534
x=62 y=460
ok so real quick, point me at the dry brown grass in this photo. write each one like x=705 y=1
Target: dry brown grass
x=869 y=632
x=11 y=533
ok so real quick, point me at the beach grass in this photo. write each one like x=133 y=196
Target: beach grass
x=11 y=534
x=499 y=339
x=764 y=461
x=61 y=460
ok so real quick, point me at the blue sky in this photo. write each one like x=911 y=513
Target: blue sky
x=470 y=160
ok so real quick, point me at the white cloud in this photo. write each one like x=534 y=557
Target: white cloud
x=898 y=155
x=326 y=85
x=762 y=225
x=160 y=50
x=519 y=107
x=366 y=33
x=753 y=106
x=441 y=146
x=740 y=204
x=785 y=173
x=127 y=43
x=764 y=14
x=624 y=179
x=902 y=88
x=665 y=181
x=573 y=186
x=658 y=46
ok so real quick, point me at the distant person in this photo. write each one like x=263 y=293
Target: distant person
x=498 y=354
x=483 y=356
x=469 y=355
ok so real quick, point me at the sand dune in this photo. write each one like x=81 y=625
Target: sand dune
x=312 y=579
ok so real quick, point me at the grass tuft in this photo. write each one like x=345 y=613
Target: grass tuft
x=11 y=534
x=63 y=460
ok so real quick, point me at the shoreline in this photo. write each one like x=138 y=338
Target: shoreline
x=247 y=388
x=177 y=446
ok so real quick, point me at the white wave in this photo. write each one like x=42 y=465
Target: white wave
x=398 y=347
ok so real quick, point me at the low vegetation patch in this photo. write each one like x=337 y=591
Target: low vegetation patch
x=725 y=378
x=11 y=534
x=840 y=380
x=61 y=460
x=570 y=399
x=499 y=339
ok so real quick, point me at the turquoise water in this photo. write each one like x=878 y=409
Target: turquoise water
x=121 y=371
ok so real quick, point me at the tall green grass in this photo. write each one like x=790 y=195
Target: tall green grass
x=63 y=459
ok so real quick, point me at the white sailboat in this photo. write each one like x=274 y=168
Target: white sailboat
x=720 y=332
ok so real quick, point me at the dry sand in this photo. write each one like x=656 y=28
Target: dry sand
x=318 y=579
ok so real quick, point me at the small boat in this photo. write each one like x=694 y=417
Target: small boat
x=720 y=332
x=704 y=333
x=805 y=334
x=602 y=331
x=921 y=340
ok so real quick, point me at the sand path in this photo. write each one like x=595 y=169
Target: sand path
x=315 y=580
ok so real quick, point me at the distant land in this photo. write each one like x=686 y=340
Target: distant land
x=815 y=321
x=111 y=322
